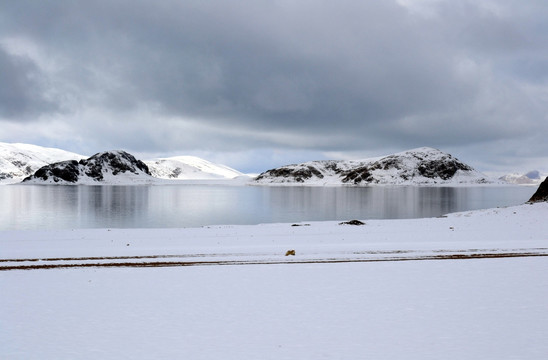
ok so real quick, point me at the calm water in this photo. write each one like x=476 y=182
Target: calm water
x=66 y=207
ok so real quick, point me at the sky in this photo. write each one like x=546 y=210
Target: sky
x=256 y=84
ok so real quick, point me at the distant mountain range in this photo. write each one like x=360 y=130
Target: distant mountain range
x=422 y=166
x=19 y=161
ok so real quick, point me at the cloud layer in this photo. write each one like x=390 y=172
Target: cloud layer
x=319 y=78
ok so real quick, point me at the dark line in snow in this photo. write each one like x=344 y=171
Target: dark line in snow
x=265 y=262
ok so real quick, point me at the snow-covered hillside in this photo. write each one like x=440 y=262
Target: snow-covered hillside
x=421 y=166
x=531 y=178
x=189 y=167
x=111 y=167
x=18 y=161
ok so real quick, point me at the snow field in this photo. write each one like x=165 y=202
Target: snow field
x=450 y=309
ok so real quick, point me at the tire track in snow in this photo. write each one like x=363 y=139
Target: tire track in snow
x=255 y=259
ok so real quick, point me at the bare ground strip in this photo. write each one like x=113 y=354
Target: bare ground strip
x=191 y=259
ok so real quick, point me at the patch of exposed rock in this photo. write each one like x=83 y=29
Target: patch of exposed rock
x=300 y=174
x=542 y=192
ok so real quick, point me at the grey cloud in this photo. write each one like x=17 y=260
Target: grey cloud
x=21 y=88
x=222 y=60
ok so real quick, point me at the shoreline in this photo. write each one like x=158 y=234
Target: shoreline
x=470 y=233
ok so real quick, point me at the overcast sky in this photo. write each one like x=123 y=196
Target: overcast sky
x=257 y=84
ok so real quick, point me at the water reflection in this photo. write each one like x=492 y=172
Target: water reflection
x=336 y=203
x=113 y=206
x=51 y=207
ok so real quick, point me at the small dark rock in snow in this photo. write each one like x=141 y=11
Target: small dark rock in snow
x=352 y=222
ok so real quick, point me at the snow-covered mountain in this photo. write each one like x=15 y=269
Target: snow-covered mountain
x=531 y=178
x=111 y=167
x=189 y=167
x=18 y=161
x=422 y=166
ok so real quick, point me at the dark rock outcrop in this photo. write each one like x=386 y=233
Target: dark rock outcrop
x=65 y=170
x=94 y=168
x=541 y=194
x=298 y=175
x=352 y=222
x=117 y=161
x=359 y=175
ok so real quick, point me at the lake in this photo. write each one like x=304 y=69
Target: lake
x=167 y=206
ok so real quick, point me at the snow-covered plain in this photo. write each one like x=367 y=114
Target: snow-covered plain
x=469 y=285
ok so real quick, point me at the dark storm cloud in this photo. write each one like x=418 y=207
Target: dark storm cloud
x=320 y=75
x=21 y=88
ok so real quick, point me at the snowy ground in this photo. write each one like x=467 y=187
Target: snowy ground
x=467 y=286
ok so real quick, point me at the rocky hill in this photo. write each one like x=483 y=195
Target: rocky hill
x=18 y=161
x=422 y=166
x=111 y=167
